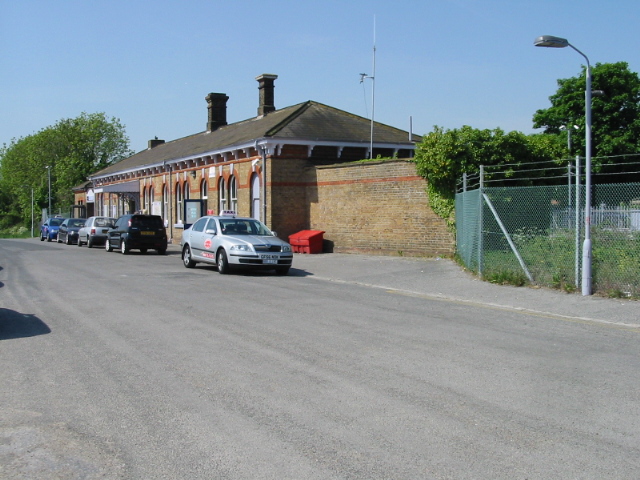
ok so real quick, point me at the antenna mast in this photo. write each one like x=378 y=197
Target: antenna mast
x=373 y=88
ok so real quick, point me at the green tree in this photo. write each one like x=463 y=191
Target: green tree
x=72 y=148
x=444 y=156
x=615 y=114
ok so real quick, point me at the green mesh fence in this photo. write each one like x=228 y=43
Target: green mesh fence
x=534 y=234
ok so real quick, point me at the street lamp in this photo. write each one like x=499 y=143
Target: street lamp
x=568 y=129
x=557 y=42
x=48 y=167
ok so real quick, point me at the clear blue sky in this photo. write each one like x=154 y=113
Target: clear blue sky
x=442 y=62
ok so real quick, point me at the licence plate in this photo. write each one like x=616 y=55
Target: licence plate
x=269 y=259
x=146 y=233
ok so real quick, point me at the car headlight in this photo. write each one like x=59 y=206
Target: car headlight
x=286 y=248
x=241 y=248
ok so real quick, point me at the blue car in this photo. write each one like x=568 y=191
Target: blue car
x=49 y=229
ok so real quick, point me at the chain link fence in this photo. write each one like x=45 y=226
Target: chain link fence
x=530 y=233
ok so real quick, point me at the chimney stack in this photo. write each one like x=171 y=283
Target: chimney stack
x=217 y=106
x=265 y=88
x=155 y=142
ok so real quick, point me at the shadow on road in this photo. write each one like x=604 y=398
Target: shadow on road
x=294 y=272
x=20 y=325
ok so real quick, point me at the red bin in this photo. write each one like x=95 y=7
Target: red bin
x=307 y=241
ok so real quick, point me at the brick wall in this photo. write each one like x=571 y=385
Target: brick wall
x=378 y=207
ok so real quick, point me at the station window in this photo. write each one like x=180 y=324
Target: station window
x=165 y=202
x=222 y=195
x=233 y=194
x=204 y=193
x=179 y=203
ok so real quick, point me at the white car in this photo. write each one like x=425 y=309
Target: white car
x=95 y=231
x=229 y=242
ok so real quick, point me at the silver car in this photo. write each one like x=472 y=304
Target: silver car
x=235 y=242
x=95 y=231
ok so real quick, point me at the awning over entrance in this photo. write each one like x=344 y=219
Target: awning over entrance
x=124 y=187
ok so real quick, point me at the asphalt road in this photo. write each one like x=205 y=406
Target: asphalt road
x=133 y=367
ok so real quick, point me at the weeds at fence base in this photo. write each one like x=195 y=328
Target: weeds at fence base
x=560 y=282
x=506 y=277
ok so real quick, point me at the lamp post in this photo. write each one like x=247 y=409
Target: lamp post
x=557 y=42
x=48 y=167
x=568 y=129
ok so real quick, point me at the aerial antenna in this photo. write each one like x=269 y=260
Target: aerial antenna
x=373 y=87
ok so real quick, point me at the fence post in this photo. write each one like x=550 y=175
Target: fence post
x=569 y=168
x=577 y=246
x=480 y=242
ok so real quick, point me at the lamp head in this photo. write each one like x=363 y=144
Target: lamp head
x=551 y=41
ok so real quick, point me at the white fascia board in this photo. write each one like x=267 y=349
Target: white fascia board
x=272 y=145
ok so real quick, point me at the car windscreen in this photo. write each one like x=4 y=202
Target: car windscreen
x=78 y=222
x=56 y=222
x=243 y=227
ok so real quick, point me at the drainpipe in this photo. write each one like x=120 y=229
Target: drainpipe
x=170 y=200
x=264 y=185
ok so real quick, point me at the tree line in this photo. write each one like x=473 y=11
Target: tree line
x=67 y=153
x=444 y=155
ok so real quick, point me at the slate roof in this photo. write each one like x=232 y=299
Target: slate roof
x=309 y=121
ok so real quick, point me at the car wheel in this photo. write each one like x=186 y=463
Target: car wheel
x=186 y=257
x=124 y=248
x=89 y=242
x=79 y=242
x=41 y=237
x=107 y=246
x=282 y=270
x=222 y=262
x=58 y=239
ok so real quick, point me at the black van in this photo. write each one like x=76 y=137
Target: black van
x=137 y=232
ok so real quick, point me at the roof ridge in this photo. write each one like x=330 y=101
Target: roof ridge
x=299 y=110
x=360 y=117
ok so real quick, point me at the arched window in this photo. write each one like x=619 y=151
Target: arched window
x=204 y=193
x=165 y=203
x=222 y=195
x=185 y=186
x=145 y=199
x=184 y=196
x=255 y=196
x=179 y=203
x=204 y=190
x=150 y=209
x=233 y=194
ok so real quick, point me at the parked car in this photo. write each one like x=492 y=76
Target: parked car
x=95 y=231
x=233 y=242
x=68 y=230
x=137 y=232
x=49 y=229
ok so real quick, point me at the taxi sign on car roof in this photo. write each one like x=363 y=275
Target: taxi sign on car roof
x=228 y=213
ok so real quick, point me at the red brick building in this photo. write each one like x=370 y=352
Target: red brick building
x=292 y=168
